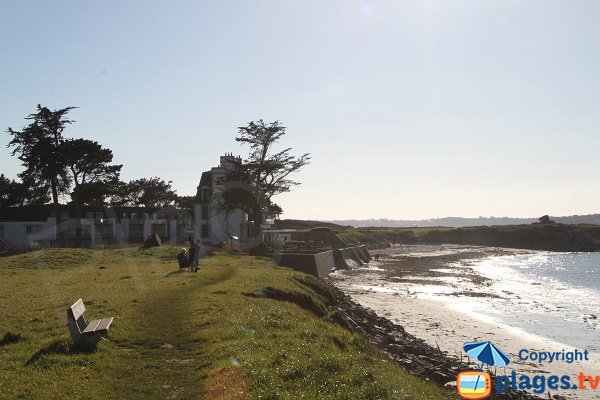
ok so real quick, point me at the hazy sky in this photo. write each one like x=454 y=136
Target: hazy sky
x=410 y=109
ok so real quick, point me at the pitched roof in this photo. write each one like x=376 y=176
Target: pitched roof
x=22 y=214
x=205 y=181
x=42 y=213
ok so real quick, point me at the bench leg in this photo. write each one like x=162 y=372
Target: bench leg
x=89 y=341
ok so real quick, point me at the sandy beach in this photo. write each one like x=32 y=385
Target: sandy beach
x=435 y=294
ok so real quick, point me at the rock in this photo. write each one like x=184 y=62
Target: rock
x=152 y=241
x=396 y=348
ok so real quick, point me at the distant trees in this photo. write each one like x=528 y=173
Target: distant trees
x=545 y=219
x=90 y=173
x=186 y=203
x=13 y=193
x=153 y=192
x=7 y=192
x=80 y=168
x=93 y=177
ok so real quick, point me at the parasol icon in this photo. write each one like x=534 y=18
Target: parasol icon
x=487 y=353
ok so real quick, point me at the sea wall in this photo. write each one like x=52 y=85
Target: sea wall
x=363 y=250
x=318 y=264
x=351 y=257
x=321 y=264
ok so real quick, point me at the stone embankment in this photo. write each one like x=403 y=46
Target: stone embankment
x=321 y=263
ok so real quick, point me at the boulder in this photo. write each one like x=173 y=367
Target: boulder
x=152 y=241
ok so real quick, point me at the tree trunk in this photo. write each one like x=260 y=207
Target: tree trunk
x=60 y=238
x=256 y=222
x=227 y=222
x=78 y=215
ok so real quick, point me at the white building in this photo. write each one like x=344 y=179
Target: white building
x=277 y=237
x=215 y=226
x=23 y=227
x=212 y=224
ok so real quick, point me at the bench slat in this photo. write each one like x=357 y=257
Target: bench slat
x=91 y=326
x=78 y=309
x=104 y=324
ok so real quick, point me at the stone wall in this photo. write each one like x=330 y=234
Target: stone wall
x=318 y=264
x=351 y=257
x=321 y=264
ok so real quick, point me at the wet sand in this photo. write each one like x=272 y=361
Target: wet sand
x=396 y=287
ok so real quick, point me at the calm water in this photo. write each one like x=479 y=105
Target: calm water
x=556 y=295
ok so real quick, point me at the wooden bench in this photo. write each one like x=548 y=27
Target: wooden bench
x=82 y=333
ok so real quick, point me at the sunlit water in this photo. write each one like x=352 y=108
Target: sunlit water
x=555 y=295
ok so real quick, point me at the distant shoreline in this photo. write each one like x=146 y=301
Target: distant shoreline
x=536 y=236
x=462 y=222
x=545 y=237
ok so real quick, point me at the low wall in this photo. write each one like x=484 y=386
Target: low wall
x=363 y=250
x=351 y=257
x=319 y=264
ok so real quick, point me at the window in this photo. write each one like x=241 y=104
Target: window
x=1 y=231
x=33 y=228
x=205 y=230
x=204 y=213
x=136 y=231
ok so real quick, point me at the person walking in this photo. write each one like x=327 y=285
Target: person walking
x=192 y=257
x=196 y=258
x=182 y=258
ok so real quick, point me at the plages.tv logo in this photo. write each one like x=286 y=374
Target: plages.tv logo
x=477 y=384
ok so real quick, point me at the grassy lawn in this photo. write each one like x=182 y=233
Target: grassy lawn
x=176 y=335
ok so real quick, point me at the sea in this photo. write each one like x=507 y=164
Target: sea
x=544 y=301
x=553 y=295
x=548 y=294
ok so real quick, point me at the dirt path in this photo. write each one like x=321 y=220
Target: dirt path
x=168 y=342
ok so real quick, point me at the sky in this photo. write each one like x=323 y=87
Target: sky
x=410 y=109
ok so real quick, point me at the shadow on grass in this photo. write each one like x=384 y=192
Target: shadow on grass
x=10 y=338
x=301 y=299
x=173 y=273
x=57 y=347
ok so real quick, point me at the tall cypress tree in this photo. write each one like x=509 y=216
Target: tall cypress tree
x=38 y=146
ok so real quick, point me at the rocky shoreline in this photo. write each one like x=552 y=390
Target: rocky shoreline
x=410 y=352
